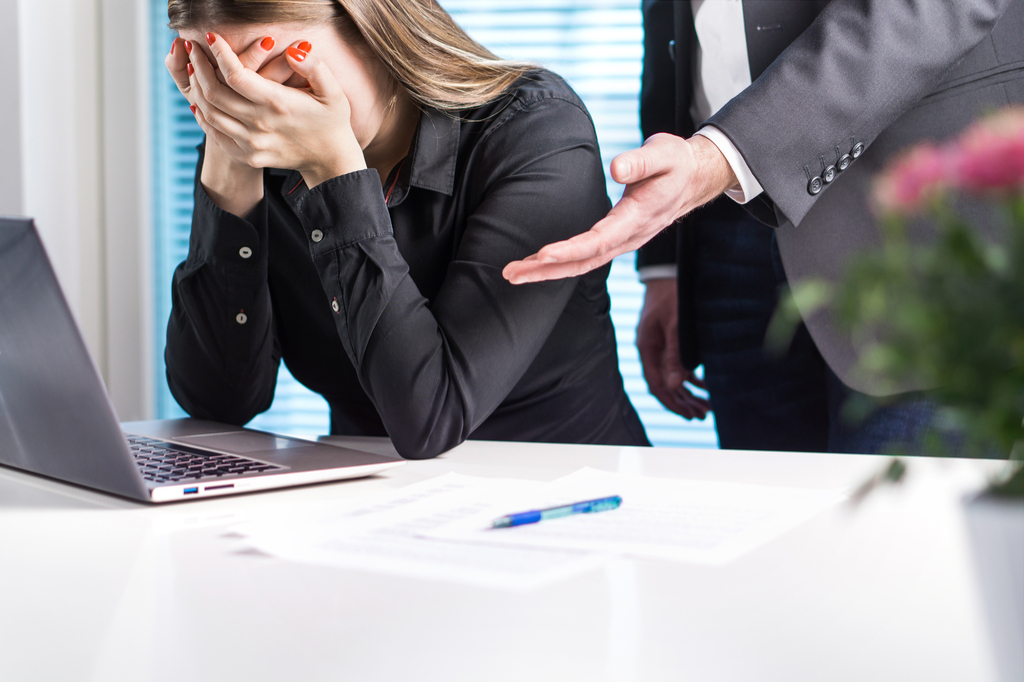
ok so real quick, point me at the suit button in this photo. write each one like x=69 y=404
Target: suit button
x=844 y=162
x=857 y=150
x=829 y=174
x=316 y=236
x=815 y=185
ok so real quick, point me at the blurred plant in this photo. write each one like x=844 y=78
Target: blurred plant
x=950 y=314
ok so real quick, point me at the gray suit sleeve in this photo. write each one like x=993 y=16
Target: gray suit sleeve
x=848 y=77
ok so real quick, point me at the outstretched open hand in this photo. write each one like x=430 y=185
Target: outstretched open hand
x=665 y=179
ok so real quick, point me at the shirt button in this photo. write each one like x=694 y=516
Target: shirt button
x=316 y=236
x=844 y=162
x=241 y=318
x=334 y=305
x=814 y=186
x=857 y=150
x=245 y=252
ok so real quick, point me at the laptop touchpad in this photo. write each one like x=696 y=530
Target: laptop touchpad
x=244 y=442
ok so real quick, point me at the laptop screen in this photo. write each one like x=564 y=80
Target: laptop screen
x=55 y=416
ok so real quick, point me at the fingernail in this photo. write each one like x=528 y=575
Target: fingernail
x=267 y=44
x=192 y=107
x=190 y=70
x=188 y=46
x=305 y=47
x=172 y=46
x=210 y=39
x=296 y=54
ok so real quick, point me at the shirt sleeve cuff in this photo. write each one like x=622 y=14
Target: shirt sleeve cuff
x=749 y=186
x=221 y=237
x=344 y=210
x=650 y=273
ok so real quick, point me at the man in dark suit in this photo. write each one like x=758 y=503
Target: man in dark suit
x=837 y=89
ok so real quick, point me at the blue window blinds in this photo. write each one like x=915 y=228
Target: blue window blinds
x=596 y=45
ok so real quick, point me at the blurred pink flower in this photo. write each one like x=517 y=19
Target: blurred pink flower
x=911 y=180
x=989 y=156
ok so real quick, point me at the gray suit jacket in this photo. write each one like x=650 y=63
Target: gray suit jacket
x=859 y=78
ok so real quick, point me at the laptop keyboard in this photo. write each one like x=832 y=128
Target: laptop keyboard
x=163 y=462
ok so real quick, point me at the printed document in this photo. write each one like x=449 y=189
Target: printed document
x=439 y=529
x=704 y=522
x=385 y=535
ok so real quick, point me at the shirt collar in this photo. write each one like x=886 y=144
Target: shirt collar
x=434 y=151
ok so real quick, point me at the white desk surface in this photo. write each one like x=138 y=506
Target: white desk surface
x=94 y=587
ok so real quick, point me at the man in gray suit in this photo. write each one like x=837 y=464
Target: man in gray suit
x=837 y=88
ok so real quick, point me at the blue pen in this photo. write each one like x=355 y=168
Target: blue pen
x=587 y=507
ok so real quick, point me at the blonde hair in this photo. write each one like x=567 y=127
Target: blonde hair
x=421 y=46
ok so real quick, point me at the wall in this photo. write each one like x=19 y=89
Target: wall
x=74 y=143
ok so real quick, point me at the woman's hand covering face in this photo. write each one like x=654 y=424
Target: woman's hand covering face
x=244 y=106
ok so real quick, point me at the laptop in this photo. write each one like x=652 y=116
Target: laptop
x=57 y=420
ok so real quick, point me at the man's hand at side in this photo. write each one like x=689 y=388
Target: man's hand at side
x=657 y=339
x=665 y=179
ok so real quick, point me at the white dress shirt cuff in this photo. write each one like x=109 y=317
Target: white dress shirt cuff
x=749 y=186
x=649 y=273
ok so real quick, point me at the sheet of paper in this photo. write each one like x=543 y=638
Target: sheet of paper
x=691 y=521
x=386 y=535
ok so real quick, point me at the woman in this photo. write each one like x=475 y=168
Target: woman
x=368 y=171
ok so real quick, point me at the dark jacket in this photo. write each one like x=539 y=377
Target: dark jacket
x=839 y=84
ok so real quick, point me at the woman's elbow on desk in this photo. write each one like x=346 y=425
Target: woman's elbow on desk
x=424 y=428
x=203 y=397
x=426 y=441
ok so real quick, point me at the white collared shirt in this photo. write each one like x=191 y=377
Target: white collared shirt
x=721 y=71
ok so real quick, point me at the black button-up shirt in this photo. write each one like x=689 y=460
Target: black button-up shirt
x=396 y=311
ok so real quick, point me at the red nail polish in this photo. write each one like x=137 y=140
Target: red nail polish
x=192 y=107
x=267 y=44
x=210 y=39
x=304 y=46
x=296 y=54
x=172 y=46
x=188 y=46
x=190 y=70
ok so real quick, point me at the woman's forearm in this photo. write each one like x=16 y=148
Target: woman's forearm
x=221 y=358
x=220 y=366
x=233 y=186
